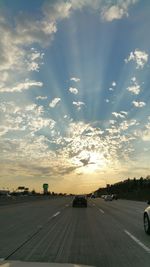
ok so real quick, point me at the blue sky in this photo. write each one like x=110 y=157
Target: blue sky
x=74 y=93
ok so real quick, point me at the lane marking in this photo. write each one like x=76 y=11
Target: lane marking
x=56 y=214
x=137 y=241
x=101 y=211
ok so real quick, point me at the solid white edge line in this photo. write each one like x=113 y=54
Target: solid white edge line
x=101 y=211
x=137 y=241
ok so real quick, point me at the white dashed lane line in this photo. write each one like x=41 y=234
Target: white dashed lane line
x=56 y=214
x=101 y=211
x=147 y=249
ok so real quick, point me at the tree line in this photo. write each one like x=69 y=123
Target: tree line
x=134 y=189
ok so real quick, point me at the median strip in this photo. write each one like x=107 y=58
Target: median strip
x=147 y=249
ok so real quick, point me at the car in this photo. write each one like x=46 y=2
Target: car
x=146 y=219
x=79 y=201
x=115 y=196
x=108 y=198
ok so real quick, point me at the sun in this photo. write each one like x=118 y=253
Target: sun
x=89 y=162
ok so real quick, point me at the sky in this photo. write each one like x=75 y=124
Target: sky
x=74 y=93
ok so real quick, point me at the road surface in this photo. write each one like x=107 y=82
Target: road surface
x=105 y=234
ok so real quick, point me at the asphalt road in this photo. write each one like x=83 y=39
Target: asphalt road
x=105 y=234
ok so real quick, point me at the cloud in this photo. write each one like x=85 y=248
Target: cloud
x=113 y=12
x=135 y=87
x=54 y=102
x=73 y=90
x=41 y=97
x=39 y=123
x=34 y=60
x=113 y=84
x=25 y=31
x=107 y=100
x=110 y=12
x=78 y=104
x=75 y=79
x=19 y=87
x=29 y=118
x=121 y=115
x=138 y=104
x=139 y=57
x=57 y=10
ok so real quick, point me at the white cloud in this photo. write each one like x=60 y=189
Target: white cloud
x=26 y=85
x=78 y=104
x=34 y=60
x=57 y=10
x=37 y=123
x=116 y=11
x=112 y=121
x=75 y=79
x=135 y=89
x=54 y=102
x=113 y=84
x=111 y=89
x=119 y=115
x=133 y=79
x=138 y=104
x=113 y=12
x=107 y=100
x=41 y=97
x=73 y=90
x=139 y=57
x=124 y=112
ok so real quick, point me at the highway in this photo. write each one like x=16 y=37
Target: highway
x=105 y=234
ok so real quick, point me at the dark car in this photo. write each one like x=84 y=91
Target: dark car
x=79 y=201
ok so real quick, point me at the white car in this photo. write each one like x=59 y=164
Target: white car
x=146 y=219
x=108 y=198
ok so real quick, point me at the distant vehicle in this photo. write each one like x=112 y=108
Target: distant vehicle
x=115 y=196
x=146 y=219
x=79 y=201
x=103 y=196
x=108 y=198
x=92 y=196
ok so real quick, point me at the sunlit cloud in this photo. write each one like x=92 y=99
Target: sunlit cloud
x=113 y=84
x=139 y=57
x=73 y=90
x=135 y=87
x=26 y=85
x=138 y=104
x=113 y=12
x=41 y=97
x=75 y=79
x=54 y=102
x=78 y=104
x=122 y=114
